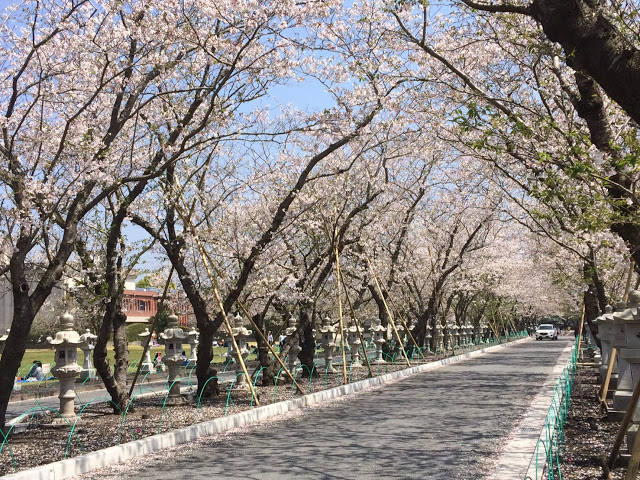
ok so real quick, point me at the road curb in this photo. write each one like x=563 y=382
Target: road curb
x=120 y=453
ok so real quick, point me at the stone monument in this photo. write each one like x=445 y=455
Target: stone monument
x=294 y=343
x=147 y=363
x=87 y=344
x=378 y=335
x=241 y=335
x=173 y=336
x=193 y=344
x=327 y=338
x=66 y=343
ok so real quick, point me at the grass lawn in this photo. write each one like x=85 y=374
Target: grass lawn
x=46 y=355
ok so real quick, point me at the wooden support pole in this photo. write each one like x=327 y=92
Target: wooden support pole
x=513 y=325
x=632 y=469
x=388 y=312
x=493 y=329
x=342 y=333
x=153 y=327
x=235 y=344
x=626 y=421
x=277 y=357
x=404 y=324
x=188 y=225
x=607 y=379
x=355 y=320
x=277 y=335
x=246 y=312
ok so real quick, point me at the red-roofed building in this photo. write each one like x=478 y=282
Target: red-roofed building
x=141 y=305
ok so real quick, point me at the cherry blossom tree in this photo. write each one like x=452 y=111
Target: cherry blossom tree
x=550 y=125
x=74 y=78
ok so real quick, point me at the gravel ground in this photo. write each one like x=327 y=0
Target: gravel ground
x=588 y=432
x=98 y=428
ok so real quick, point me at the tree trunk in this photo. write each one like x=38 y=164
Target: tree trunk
x=15 y=346
x=116 y=383
x=25 y=306
x=591 y=310
x=594 y=45
x=205 y=353
x=308 y=352
x=427 y=317
x=266 y=364
x=121 y=349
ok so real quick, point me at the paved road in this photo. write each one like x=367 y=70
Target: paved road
x=449 y=423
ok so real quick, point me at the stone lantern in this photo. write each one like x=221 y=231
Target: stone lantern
x=3 y=340
x=66 y=343
x=173 y=336
x=480 y=334
x=623 y=330
x=439 y=336
x=87 y=344
x=457 y=336
x=241 y=335
x=378 y=335
x=597 y=356
x=618 y=341
x=631 y=354
x=448 y=334
x=468 y=333
x=485 y=333
x=402 y=335
x=294 y=342
x=428 y=337
x=147 y=364
x=605 y=332
x=355 y=342
x=229 y=353
x=327 y=337
x=193 y=343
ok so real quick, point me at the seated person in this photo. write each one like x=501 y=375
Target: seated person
x=36 y=373
x=157 y=362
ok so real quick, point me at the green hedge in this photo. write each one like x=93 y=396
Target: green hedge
x=133 y=330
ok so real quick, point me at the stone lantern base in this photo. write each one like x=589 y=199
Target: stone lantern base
x=147 y=367
x=355 y=357
x=176 y=400
x=241 y=383
x=174 y=397
x=328 y=359
x=379 y=360
x=87 y=374
x=67 y=398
